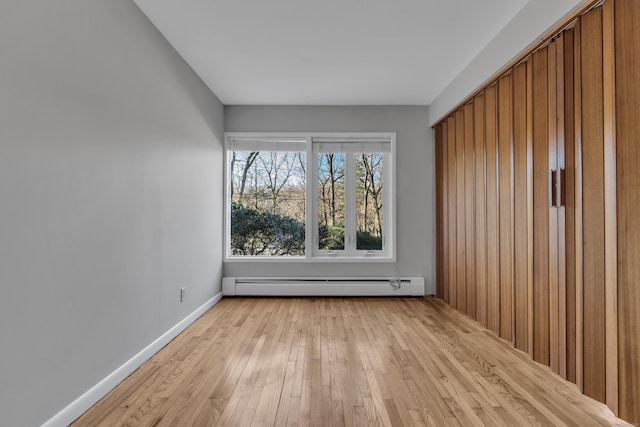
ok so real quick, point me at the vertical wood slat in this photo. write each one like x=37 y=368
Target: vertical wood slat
x=570 y=209
x=610 y=211
x=505 y=199
x=492 y=235
x=520 y=194
x=451 y=208
x=541 y=203
x=552 y=257
x=481 y=246
x=594 y=364
x=561 y=210
x=578 y=205
x=461 y=275
x=627 y=112
x=530 y=252
x=469 y=186
x=445 y=211
x=439 y=214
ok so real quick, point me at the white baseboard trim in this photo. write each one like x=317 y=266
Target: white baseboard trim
x=79 y=406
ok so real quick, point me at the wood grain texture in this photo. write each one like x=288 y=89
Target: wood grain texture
x=561 y=210
x=610 y=214
x=593 y=206
x=570 y=207
x=553 y=255
x=445 y=212
x=461 y=248
x=530 y=251
x=341 y=361
x=505 y=172
x=481 y=218
x=470 y=212
x=493 y=236
x=627 y=90
x=541 y=206
x=440 y=262
x=578 y=204
x=520 y=220
x=451 y=207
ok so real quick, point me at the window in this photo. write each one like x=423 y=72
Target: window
x=311 y=197
x=351 y=202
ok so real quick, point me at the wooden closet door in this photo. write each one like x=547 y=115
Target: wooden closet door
x=627 y=127
x=594 y=363
x=505 y=185
x=481 y=202
x=566 y=212
x=461 y=252
x=570 y=209
x=541 y=205
x=564 y=123
x=451 y=209
x=493 y=242
x=552 y=82
x=440 y=262
x=554 y=226
x=444 y=212
x=469 y=187
x=522 y=204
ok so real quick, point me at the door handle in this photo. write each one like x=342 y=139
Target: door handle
x=557 y=190
x=561 y=190
x=554 y=187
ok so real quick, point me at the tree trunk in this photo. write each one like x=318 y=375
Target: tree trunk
x=332 y=178
x=233 y=163
x=250 y=159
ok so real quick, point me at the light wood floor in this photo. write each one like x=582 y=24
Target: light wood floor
x=342 y=361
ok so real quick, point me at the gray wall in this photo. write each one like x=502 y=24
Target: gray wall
x=524 y=30
x=110 y=195
x=415 y=180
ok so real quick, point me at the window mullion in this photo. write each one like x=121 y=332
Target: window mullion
x=350 y=204
x=311 y=208
x=387 y=204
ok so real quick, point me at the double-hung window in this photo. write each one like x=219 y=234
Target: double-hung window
x=310 y=197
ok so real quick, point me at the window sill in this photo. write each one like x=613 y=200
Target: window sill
x=316 y=259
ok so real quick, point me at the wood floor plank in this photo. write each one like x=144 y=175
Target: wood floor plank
x=342 y=362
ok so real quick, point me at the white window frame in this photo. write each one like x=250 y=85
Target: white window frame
x=312 y=252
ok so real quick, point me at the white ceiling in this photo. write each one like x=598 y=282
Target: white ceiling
x=329 y=52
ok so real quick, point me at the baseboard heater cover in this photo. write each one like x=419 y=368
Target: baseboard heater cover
x=322 y=286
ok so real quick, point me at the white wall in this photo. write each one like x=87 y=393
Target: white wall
x=110 y=195
x=535 y=19
x=415 y=180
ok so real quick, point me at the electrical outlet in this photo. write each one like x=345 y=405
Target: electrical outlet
x=183 y=292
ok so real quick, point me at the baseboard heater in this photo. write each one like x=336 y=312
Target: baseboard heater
x=317 y=286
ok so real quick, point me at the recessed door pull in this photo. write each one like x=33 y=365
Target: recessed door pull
x=562 y=200
x=557 y=190
x=554 y=187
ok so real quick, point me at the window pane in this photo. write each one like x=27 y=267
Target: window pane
x=369 y=201
x=331 y=201
x=267 y=203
